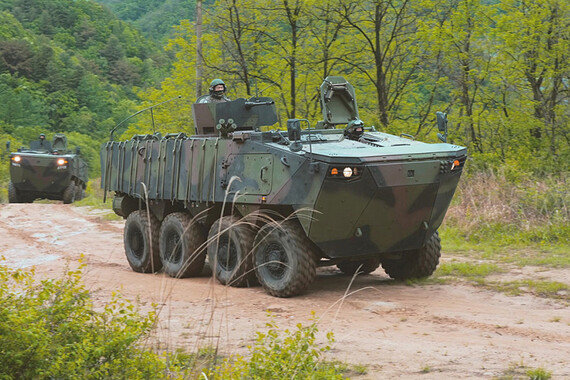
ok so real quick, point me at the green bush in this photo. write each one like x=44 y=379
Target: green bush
x=52 y=330
x=282 y=354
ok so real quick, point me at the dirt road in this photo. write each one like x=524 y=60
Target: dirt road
x=427 y=331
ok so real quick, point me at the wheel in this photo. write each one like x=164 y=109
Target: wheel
x=364 y=266
x=416 y=264
x=13 y=196
x=181 y=246
x=229 y=251
x=79 y=193
x=69 y=193
x=141 y=242
x=284 y=263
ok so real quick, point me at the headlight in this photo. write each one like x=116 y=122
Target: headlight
x=61 y=161
x=346 y=172
x=16 y=159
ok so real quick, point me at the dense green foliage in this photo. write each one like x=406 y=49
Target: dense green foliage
x=70 y=66
x=500 y=69
x=154 y=18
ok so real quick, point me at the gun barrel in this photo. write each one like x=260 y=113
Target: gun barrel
x=249 y=105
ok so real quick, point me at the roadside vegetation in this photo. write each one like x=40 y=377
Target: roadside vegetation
x=502 y=220
x=53 y=329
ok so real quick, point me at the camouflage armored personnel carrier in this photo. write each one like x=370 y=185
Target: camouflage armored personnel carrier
x=272 y=206
x=47 y=170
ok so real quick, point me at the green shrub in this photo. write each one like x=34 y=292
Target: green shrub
x=52 y=330
x=282 y=354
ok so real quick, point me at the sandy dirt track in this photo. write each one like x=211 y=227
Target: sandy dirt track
x=427 y=331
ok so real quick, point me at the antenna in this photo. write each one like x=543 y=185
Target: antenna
x=141 y=111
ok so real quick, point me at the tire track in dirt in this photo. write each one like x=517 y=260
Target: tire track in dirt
x=394 y=329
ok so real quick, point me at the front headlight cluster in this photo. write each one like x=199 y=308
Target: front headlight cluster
x=344 y=172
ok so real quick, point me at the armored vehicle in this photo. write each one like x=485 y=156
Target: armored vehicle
x=47 y=170
x=272 y=206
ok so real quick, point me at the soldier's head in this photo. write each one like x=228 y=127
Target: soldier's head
x=354 y=129
x=42 y=137
x=217 y=88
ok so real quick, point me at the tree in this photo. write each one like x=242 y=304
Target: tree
x=384 y=47
x=536 y=39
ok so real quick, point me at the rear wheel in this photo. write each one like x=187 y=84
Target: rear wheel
x=181 y=250
x=69 y=193
x=13 y=196
x=416 y=264
x=363 y=267
x=284 y=263
x=229 y=251
x=141 y=242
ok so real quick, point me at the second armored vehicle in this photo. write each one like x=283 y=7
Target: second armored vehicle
x=272 y=206
x=47 y=170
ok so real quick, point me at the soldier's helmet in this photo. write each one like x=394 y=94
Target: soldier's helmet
x=354 y=129
x=217 y=94
x=42 y=137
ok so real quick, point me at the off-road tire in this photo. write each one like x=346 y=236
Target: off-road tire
x=13 y=196
x=416 y=264
x=142 y=242
x=364 y=266
x=79 y=193
x=230 y=251
x=181 y=246
x=69 y=193
x=284 y=263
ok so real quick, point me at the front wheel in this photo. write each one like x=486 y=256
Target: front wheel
x=417 y=263
x=141 y=242
x=181 y=246
x=69 y=193
x=284 y=263
x=13 y=196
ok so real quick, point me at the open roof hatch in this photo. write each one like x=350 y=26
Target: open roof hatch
x=338 y=102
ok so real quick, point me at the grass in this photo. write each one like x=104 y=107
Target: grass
x=549 y=289
x=471 y=271
x=521 y=371
x=495 y=223
x=491 y=212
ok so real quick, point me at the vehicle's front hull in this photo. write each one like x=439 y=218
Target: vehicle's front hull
x=391 y=207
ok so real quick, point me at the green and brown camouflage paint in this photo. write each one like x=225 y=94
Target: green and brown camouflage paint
x=395 y=199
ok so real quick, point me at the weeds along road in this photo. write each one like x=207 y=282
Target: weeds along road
x=427 y=331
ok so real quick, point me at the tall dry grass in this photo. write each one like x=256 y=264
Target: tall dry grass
x=489 y=200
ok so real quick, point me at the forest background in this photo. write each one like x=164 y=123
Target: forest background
x=500 y=69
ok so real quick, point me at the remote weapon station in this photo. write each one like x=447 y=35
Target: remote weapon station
x=272 y=206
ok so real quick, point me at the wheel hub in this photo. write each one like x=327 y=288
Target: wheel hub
x=227 y=254
x=276 y=260
x=173 y=247
x=136 y=242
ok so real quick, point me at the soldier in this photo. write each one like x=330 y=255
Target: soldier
x=217 y=93
x=43 y=143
